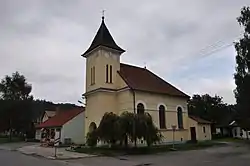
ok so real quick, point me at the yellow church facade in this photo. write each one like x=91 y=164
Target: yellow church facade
x=112 y=86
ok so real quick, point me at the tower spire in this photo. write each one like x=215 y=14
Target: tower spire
x=103 y=38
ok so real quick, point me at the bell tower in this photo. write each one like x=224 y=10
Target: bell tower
x=102 y=60
x=102 y=64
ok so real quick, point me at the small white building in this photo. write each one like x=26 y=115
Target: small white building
x=200 y=129
x=238 y=132
x=68 y=125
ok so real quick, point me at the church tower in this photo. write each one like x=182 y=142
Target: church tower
x=102 y=64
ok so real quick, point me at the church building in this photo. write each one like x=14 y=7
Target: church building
x=112 y=86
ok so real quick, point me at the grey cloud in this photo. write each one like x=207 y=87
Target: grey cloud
x=44 y=39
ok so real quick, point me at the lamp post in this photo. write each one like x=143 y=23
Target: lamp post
x=173 y=129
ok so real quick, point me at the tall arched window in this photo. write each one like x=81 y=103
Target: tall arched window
x=162 y=117
x=107 y=73
x=180 y=118
x=110 y=72
x=140 y=108
x=92 y=127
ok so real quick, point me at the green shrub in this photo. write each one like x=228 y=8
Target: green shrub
x=92 y=139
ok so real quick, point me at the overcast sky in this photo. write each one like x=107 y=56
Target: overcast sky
x=43 y=40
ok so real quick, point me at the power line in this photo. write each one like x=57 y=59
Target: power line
x=216 y=50
x=214 y=45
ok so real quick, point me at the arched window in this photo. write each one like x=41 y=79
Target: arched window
x=92 y=127
x=162 y=117
x=140 y=108
x=180 y=118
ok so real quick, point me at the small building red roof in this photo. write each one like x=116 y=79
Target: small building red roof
x=199 y=120
x=61 y=118
x=142 y=79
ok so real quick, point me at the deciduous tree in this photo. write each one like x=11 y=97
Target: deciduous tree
x=16 y=103
x=242 y=75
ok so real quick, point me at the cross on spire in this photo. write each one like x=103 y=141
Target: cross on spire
x=103 y=12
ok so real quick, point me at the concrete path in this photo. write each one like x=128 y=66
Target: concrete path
x=49 y=152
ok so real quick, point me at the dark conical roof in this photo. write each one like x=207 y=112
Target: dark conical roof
x=103 y=38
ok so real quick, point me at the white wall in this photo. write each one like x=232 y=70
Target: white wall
x=207 y=135
x=237 y=133
x=45 y=117
x=38 y=134
x=74 y=129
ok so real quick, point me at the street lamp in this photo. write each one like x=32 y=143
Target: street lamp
x=173 y=129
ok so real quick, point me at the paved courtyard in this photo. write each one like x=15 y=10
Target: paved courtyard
x=49 y=152
x=231 y=155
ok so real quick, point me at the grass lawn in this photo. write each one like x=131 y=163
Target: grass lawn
x=105 y=150
x=6 y=140
x=234 y=140
x=230 y=139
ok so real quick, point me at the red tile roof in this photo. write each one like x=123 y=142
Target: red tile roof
x=61 y=118
x=199 y=120
x=142 y=79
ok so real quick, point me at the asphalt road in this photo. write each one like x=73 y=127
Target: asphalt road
x=14 y=158
x=231 y=155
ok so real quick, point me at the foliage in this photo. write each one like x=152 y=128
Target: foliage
x=92 y=139
x=127 y=126
x=242 y=75
x=18 y=110
x=211 y=108
x=146 y=129
x=114 y=128
x=15 y=87
x=109 y=128
x=15 y=100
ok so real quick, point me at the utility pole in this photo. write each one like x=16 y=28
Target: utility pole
x=173 y=128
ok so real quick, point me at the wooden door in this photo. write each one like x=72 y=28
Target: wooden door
x=193 y=134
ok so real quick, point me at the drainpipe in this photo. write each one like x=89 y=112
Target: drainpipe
x=134 y=131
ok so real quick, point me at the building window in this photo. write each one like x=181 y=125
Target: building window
x=140 y=108
x=110 y=77
x=162 y=117
x=204 y=129
x=92 y=127
x=180 y=118
x=92 y=75
x=107 y=73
